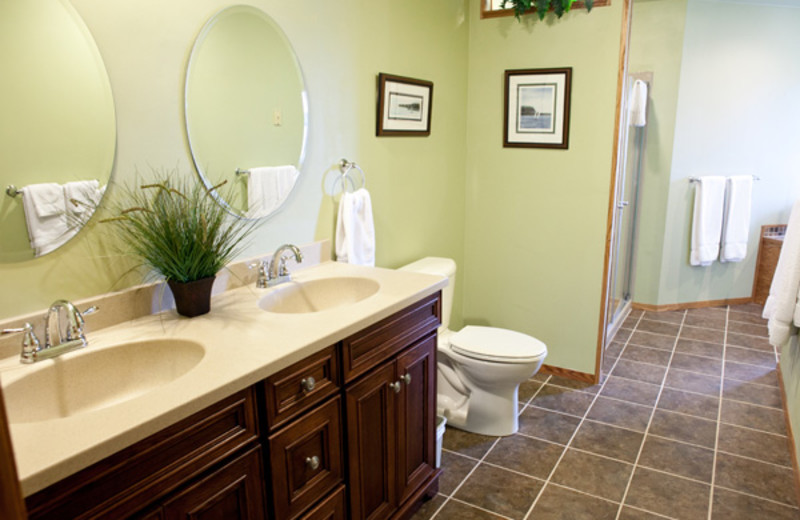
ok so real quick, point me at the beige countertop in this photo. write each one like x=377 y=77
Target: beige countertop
x=243 y=345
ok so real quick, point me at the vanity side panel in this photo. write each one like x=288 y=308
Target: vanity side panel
x=140 y=474
x=375 y=344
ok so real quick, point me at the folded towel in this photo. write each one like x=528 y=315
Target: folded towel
x=781 y=306
x=638 y=104
x=709 y=198
x=45 y=217
x=355 y=230
x=82 y=196
x=268 y=187
x=736 y=225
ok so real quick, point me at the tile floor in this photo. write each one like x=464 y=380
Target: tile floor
x=688 y=424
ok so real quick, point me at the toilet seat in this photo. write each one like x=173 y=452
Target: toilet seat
x=497 y=345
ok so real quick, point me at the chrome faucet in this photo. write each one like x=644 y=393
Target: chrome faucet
x=278 y=273
x=74 y=338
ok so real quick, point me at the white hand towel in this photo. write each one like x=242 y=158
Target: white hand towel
x=736 y=226
x=355 y=229
x=45 y=217
x=709 y=199
x=638 y=104
x=268 y=187
x=781 y=305
x=82 y=196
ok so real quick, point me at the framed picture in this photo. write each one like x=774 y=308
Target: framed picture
x=537 y=108
x=404 y=106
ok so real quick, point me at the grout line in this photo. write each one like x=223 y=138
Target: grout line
x=719 y=418
x=650 y=420
x=659 y=515
x=668 y=473
x=455 y=490
x=479 y=508
x=529 y=401
x=738 y=492
x=785 y=436
x=598 y=497
x=577 y=428
x=760 y=461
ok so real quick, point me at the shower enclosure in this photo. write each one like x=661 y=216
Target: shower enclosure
x=623 y=251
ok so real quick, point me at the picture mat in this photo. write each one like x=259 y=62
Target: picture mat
x=514 y=83
x=394 y=88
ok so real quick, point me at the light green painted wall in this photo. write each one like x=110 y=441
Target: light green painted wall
x=656 y=45
x=737 y=114
x=417 y=184
x=535 y=219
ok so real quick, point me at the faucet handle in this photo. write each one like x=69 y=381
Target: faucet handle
x=90 y=310
x=30 y=343
x=263 y=272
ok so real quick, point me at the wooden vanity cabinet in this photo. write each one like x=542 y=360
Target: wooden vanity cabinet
x=207 y=466
x=391 y=413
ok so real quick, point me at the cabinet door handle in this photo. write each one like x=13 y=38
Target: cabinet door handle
x=406 y=378
x=308 y=384
x=312 y=462
x=396 y=386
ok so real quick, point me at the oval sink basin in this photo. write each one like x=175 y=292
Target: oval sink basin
x=91 y=380
x=318 y=295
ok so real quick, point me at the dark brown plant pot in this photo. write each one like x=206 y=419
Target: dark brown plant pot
x=192 y=298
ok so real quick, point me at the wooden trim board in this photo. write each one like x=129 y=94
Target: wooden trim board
x=792 y=446
x=569 y=374
x=690 y=305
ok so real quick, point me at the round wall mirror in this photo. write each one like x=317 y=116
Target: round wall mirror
x=57 y=130
x=246 y=111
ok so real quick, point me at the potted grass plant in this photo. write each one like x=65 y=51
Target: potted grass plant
x=541 y=7
x=175 y=227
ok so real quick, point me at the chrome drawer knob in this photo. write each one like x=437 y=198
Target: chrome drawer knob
x=308 y=384
x=312 y=462
x=406 y=378
x=396 y=386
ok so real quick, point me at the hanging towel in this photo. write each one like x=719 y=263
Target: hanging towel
x=709 y=199
x=736 y=224
x=82 y=196
x=355 y=230
x=781 y=305
x=268 y=187
x=45 y=216
x=638 y=104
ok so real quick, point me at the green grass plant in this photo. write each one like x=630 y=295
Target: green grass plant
x=176 y=227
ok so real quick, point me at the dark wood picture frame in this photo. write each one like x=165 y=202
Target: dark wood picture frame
x=404 y=106
x=537 y=108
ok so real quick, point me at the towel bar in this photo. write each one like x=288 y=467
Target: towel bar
x=345 y=167
x=696 y=179
x=12 y=191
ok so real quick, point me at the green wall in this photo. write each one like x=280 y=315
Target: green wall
x=417 y=184
x=536 y=218
x=656 y=45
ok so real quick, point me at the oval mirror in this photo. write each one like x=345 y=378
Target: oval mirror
x=246 y=110
x=57 y=129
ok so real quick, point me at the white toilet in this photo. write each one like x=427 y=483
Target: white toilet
x=480 y=368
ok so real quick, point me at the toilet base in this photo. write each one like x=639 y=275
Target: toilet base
x=494 y=414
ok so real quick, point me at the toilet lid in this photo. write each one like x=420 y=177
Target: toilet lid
x=500 y=345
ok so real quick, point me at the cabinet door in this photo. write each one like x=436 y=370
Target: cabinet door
x=233 y=492
x=416 y=416
x=371 y=438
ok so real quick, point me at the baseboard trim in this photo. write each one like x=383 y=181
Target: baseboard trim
x=569 y=374
x=690 y=305
x=792 y=446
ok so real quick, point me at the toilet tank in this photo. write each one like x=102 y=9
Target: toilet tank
x=442 y=267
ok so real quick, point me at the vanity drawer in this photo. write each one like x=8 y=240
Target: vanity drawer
x=306 y=460
x=301 y=386
x=119 y=485
x=374 y=345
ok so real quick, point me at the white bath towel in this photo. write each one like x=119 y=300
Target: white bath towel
x=355 y=229
x=709 y=199
x=268 y=187
x=736 y=225
x=781 y=306
x=638 y=104
x=45 y=216
x=82 y=196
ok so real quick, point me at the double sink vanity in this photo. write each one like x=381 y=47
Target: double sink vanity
x=312 y=399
